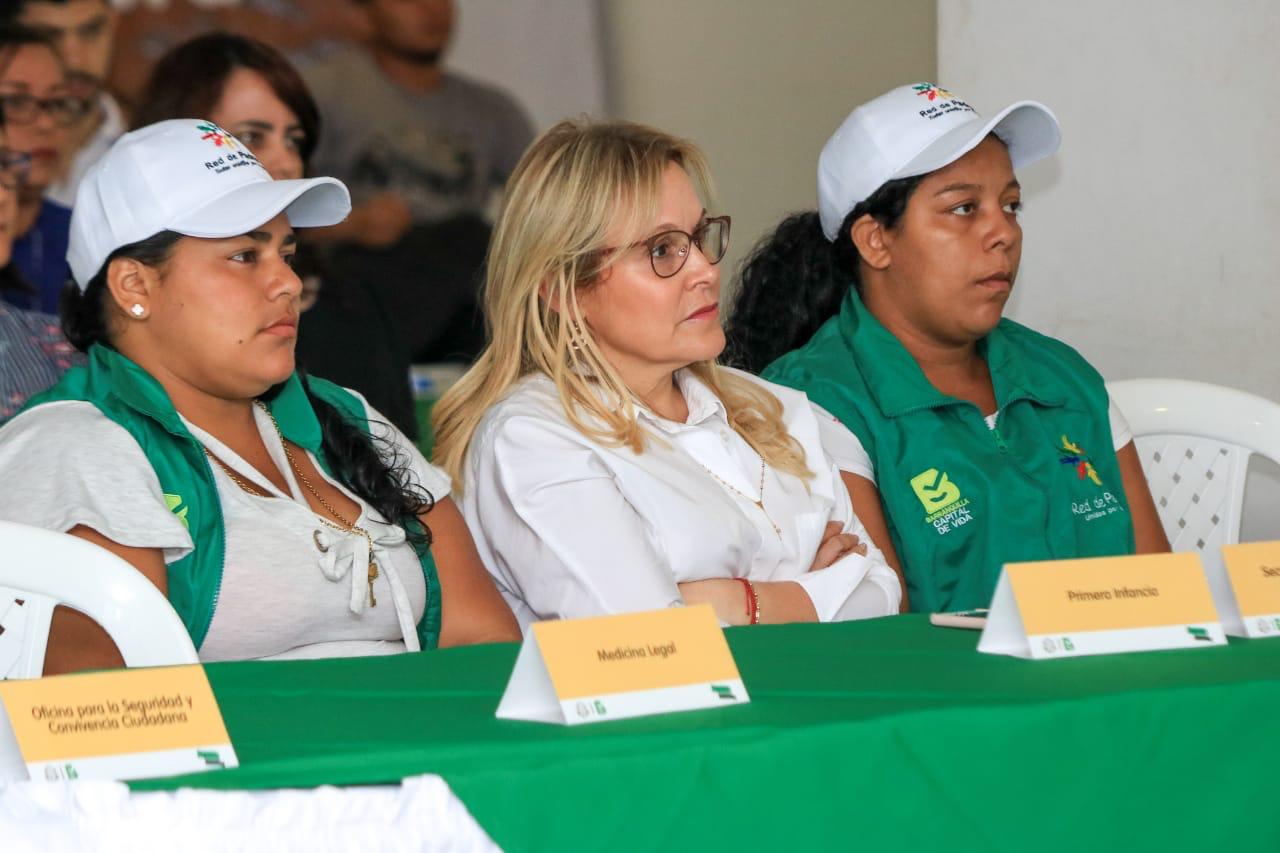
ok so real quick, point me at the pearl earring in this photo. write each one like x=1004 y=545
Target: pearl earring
x=137 y=310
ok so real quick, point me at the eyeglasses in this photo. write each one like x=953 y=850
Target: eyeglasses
x=669 y=250
x=14 y=166
x=25 y=109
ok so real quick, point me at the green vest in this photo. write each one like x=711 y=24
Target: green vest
x=128 y=395
x=961 y=500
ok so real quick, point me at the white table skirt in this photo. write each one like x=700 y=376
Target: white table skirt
x=421 y=814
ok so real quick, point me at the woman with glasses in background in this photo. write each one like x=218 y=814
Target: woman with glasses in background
x=39 y=109
x=33 y=352
x=606 y=463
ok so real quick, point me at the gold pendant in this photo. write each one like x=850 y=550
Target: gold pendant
x=777 y=530
x=373 y=575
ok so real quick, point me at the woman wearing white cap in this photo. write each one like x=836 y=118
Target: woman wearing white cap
x=966 y=440
x=279 y=514
x=609 y=465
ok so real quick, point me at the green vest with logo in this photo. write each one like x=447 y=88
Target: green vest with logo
x=961 y=499
x=128 y=395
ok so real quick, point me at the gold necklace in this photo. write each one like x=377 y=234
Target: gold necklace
x=759 y=503
x=343 y=525
x=251 y=488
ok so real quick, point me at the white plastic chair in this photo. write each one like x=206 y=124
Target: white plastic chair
x=40 y=569
x=1195 y=441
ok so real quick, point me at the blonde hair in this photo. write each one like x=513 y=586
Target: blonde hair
x=570 y=187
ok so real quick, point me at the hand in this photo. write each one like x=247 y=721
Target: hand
x=380 y=222
x=836 y=545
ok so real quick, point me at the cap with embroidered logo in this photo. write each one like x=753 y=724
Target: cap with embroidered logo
x=913 y=130
x=188 y=176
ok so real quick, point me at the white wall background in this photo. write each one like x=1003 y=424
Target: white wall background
x=1152 y=241
x=548 y=53
x=760 y=85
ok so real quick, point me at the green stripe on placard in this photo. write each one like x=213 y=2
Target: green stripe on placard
x=210 y=757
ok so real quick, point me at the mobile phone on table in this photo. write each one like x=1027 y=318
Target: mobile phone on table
x=975 y=619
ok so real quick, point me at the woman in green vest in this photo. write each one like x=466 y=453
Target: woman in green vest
x=967 y=441
x=280 y=514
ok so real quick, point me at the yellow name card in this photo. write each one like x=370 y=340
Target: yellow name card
x=123 y=724
x=1065 y=608
x=1247 y=589
x=612 y=667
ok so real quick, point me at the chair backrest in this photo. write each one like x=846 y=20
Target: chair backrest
x=40 y=569
x=1195 y=441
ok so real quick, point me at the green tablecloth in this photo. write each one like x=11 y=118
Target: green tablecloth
x=874 y=735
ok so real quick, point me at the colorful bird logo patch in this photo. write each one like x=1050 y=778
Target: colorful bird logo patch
x=1075 y=456
x=219 y=137
x=932 y=91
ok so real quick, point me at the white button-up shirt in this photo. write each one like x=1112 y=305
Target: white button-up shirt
x=571 y=528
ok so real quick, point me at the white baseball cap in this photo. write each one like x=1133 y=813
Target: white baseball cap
x=913 y=130
x=189 y=176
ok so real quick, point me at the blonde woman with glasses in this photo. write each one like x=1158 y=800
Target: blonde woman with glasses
x=605 y=462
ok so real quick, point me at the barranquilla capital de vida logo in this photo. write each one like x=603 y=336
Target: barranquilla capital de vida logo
x=932 y=91
x=935 y=491
x=178 y=507
x=944 y=507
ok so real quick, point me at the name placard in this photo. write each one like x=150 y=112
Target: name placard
x=578 y=671
x=1246 y=588
x=123 y=724
x=1103 y=605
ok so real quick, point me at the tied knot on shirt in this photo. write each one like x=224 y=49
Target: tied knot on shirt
x=346 y=555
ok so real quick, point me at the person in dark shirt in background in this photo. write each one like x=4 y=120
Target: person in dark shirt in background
x=425 y=153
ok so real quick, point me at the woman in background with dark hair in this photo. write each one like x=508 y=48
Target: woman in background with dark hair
x=966 y=440
x=39 y=110
x=33 y=353
x=281 y=515
x=223 y=75
x=250 y=89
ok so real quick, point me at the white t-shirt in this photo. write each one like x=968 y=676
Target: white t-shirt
x=570 y=528
x=291 y=586
x=849 y=455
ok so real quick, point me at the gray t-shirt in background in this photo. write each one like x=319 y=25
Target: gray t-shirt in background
x=443 y=152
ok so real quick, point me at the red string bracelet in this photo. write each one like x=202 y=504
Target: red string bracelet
x=753 y=601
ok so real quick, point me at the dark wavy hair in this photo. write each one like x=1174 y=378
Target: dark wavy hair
x=356 y=458
x=795 y=279
x=187 y=82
